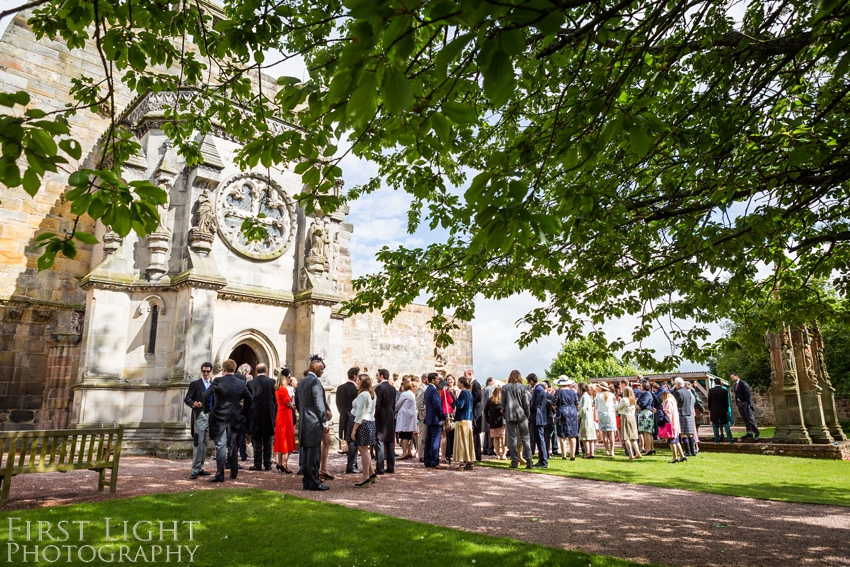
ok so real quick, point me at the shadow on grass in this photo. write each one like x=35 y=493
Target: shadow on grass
x=256 y=528
x=752 y=476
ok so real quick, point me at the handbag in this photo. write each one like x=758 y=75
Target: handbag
x=450 y=422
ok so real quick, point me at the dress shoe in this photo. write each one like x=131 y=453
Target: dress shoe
x=193 y=476
x=529 y=466
x=204 y=473
x=267 y=468
x=217 y=478
x=325 y=476
x=320 y=487
x=354 y=471
x=388 y=471
x=514 y=466
x=233 y=475
x=255 y=468
x=239 y=467
x=380 y=472
x=300 y=473
x=540 y=466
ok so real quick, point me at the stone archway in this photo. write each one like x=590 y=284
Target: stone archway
x=252 y=346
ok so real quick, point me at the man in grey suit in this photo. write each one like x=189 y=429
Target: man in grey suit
x=313 y=423
x=420 y=416
x=515 y=410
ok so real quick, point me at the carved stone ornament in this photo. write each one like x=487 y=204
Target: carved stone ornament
x=246 y=196
x=111 y=242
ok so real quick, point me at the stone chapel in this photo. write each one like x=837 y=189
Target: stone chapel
x=115 y=334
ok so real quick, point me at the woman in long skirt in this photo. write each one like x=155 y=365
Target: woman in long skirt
x=587 y=426
x=464 y=452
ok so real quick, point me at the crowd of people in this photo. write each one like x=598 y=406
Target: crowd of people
x=442 y=421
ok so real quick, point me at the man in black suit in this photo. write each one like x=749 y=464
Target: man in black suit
x=345 y=395
x=718 y=411
x=221 y=402
x=313 y=423
x=744 y=401
x=261 y=418
x=385 y=423
x=199 y=420
x=477 y=412
x=537 y=420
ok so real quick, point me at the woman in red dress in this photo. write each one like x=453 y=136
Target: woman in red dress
x=284 y=429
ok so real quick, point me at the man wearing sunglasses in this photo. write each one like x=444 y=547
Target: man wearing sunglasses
x=200 y=421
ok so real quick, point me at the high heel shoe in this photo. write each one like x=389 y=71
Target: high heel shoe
x=363 y=484
x=286 y=470
x=279 y=468
x=683 y=459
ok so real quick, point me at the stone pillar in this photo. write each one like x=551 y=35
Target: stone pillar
x=313 y=336
x=830 y=413
x=56 y=404
x=158 y=248
x=104 y=345
x=810 y=390
x=784 y=392
x=194 y=332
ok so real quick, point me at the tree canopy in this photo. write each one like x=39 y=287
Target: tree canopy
x=670 y=161
x=584 y=358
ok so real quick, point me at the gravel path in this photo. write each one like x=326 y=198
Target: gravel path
x=662 y=526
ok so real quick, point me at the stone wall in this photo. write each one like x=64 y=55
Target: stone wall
x=764 y=408
x=405 y=346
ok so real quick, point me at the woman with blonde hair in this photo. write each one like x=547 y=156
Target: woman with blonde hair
x=284 y=425
x=587 y=427
x=606 y=415
x=672 y=429
x=628 y=424
x=363 y=430
x=496 y=420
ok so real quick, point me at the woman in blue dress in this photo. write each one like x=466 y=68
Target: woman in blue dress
x=566 y=403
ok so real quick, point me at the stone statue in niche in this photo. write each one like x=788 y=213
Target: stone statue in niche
x=205 y=213
x=788 y=373
x=164 y=184
x=320 y=241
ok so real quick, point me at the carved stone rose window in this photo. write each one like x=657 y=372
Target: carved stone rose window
x=246 y=196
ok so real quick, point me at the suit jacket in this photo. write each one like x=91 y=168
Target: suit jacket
x=434 y=414
x=718 y=405
x=312 y=408
x=477 y=404
x=261 y=418
x=743 y=394
x=225 y=393
x=515 y=402
x=385 y=412
x=537 y=411
x=685 y=401
x=195 y=394
x=345 y=395
x=420 y=402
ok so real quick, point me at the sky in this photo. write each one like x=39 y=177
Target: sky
x=380 y=219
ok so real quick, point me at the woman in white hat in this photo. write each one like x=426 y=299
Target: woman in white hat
x=566 y=405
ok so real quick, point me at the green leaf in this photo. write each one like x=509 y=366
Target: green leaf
x=396 y=91
x=512 y=41
x=72 y=148
x=34 y=113
x=499 y=80
x=79 y=179
x=459 y=113
x=31 y=182
x=85 y=237
x=638 y=140
x=449 y=53
x=11 y=99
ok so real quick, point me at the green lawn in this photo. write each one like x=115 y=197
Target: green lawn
x=251 y=527
x=790 y=479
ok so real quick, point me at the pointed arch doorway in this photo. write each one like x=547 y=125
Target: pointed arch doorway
x=249 y=346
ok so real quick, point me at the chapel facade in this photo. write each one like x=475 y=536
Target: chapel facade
x=115 y=334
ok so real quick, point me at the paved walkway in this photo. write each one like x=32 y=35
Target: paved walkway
x=661 y=526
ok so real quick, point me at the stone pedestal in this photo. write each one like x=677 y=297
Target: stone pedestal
x=158 y=247
x=57 y=387
x=201 y=242
x=830 y=413
x=784 y=392
x=810 y=390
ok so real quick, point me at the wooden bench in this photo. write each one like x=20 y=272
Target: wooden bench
x=60 y=450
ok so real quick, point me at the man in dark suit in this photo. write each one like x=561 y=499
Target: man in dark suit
x=345 y=395
x=199 y=420
x=718 y=411
x=477 y=412
x=385 y=423
x=537 y=420
x=434 y=418
x=261 y=418
x=744 y=401
x=221 y=401
x=313 y=423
